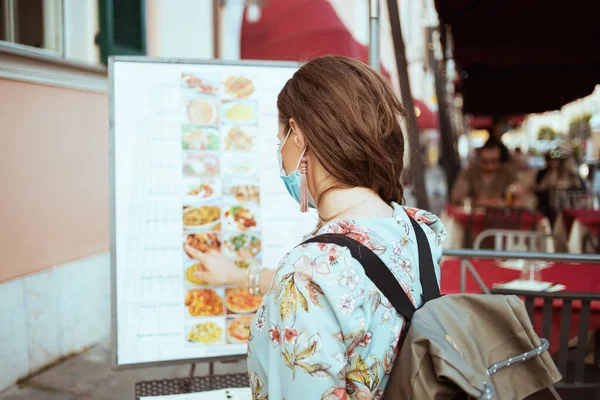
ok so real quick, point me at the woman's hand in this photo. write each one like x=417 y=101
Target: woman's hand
x=218 y=269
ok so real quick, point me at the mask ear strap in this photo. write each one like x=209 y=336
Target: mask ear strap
x=287 y=136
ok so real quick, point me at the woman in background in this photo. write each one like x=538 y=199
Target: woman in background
x=557 y=176
x=324 y=330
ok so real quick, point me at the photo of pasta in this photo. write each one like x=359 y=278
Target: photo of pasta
x=238 y=87
x=238 y=139
x=204 y=303
x=239 y=112
x=199 y=138
x=209 y=332
x=238 y=329
x=201 y=218
x=240 y=301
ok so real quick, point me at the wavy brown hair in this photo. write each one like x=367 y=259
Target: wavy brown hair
x=351 y=118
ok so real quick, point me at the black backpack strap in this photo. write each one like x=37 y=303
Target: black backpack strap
x=429 y=283
x=375 y=269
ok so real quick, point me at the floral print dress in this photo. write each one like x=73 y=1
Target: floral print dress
x=324 y=330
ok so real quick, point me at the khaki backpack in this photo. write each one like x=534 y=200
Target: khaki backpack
x=457 y=346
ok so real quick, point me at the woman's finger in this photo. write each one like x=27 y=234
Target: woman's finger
x=195 y=253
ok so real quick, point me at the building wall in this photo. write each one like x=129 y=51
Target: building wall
x=54 y=174
x=179 y=28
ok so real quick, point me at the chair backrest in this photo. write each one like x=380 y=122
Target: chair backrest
x=579 y=199
x=516 y=240
x=500 y=218
x=571 y=364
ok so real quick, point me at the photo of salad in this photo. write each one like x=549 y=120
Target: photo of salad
x=238 y=139
x=200 y=164
x=241 y=218
x=243 y=245
x=246 y=264
x=198 y=138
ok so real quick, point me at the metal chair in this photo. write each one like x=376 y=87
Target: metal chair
x=516 y=240
x=570 y=361
x=574 y=199
x=500 y=218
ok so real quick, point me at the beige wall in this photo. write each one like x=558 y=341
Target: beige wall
x=53 y=176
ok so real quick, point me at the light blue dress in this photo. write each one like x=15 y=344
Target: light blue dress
x=324 y=330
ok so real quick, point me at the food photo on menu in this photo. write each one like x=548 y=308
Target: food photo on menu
x=238 y=87
x=197 y=137
x=221 y=202
x=240 y=138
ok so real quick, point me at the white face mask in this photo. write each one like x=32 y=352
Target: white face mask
x=292 y=181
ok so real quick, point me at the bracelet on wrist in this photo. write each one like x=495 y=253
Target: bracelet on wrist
x=254 y=280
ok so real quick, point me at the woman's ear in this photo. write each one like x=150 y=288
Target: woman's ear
x=297 y=135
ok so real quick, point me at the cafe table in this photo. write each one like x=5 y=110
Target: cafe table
x=575 y=225
x=577 y=278
x=457 y=219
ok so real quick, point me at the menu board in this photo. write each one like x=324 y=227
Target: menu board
x=194 y=162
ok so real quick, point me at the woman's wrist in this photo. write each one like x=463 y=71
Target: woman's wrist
x=240 y=278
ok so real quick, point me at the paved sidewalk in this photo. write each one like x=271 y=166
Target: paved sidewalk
x=88 y=376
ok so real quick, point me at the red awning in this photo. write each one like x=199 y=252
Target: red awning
x=299 y=30
x=520 y=57
x=487 y=122
x=426 y=119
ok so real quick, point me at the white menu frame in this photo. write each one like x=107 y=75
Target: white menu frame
x=142 y=60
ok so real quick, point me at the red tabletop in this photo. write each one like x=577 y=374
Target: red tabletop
x=576 y=278
x=528 y=219
x=589 y=218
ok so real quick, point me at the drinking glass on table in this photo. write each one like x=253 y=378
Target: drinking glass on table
x=531 y=271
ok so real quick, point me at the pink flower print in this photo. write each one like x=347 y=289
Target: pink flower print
x=306 y=268
x=289 y=334
x=260 y=324
x=366 y=340
x=335 y=394
x=275 y=335
x=350 y=278
x=346 y=304
x=396 y=332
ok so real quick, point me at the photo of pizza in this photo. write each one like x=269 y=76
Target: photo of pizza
x=238 y=329
x=240 y=301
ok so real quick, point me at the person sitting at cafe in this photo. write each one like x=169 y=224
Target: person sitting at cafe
x=499 y=128
x=487 y=182
x=557 y=176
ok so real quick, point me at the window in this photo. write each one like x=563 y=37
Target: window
x=34 y=23
x=86 y=31
x=122 y=28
